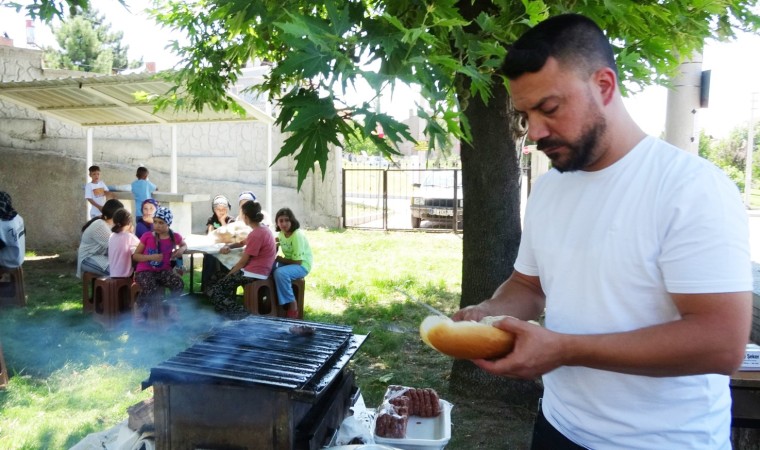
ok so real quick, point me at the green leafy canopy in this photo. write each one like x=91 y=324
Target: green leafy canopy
x=322 y=51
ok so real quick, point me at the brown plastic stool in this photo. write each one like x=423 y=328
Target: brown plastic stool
x=3 y=370
x=15 y=295
x=88 y=287
x=299 y=287
x=111 y=298
x=260 y=297
x=158 y=317
x=134 y=291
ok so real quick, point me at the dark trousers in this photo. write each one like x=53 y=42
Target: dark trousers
x=546 y=437
x=212 y=271
x=153 y=284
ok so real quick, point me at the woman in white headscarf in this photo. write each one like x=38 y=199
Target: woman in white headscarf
x=248 y=196
x=220 y=217
x=220 y=214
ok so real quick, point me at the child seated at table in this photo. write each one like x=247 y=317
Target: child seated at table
x=121 y=245
x=295 y=262
x=255 y=263
x=145 y=221
x=219 y=220
x=154 y=272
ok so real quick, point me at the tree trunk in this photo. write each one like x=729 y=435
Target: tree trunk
x=491 y=183
x=492 y=229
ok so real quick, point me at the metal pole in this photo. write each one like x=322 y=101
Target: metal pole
x=268 y=190
x=88 y=158
x=174 y=160
x=385 y=199
x=748 y=158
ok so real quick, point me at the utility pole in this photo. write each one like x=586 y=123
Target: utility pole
x=750 y=147
x=683 y=103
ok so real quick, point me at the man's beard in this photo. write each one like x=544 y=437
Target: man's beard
x=580 y=152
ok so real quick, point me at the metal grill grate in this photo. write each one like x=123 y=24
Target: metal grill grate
x=263 y=351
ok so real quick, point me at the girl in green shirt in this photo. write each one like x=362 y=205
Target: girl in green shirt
x=295 y=261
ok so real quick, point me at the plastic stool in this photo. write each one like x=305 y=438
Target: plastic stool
x=111 y=298
x=3 y=370
x=157 y=316
x=134 y=291
x=16 y=296
x=258 y=294
x=88 y=287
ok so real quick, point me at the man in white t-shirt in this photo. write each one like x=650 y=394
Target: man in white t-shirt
x=637 y=252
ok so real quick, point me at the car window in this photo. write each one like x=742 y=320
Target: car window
x=444 y=179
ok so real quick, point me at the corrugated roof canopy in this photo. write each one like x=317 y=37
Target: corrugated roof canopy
x=110 y=100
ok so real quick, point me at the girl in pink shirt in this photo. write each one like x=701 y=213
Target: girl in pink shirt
x=121 y=245
x=255 y=263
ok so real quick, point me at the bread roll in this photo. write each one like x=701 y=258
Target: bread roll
x=466 y=339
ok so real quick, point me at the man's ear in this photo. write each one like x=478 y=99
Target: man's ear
x=606 y=82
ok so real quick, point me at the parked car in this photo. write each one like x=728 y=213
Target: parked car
x=433 y=199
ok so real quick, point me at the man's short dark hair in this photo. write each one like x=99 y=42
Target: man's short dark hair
x=92 y=169
x=573 y=40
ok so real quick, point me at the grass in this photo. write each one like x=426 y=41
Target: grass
x=70 y=377
x=754 y=199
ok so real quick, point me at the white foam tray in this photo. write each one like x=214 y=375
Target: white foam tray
x=423 y=433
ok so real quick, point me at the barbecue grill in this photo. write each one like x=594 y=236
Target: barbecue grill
x=258 y=383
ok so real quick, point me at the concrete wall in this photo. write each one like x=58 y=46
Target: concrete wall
x=43 y=165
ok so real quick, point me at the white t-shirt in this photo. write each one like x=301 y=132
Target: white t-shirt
x=95 y=191
x=608 y=246
x=12 y=242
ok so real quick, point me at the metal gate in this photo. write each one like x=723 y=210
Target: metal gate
x=403 y=199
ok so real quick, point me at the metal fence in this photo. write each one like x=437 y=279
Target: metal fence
x=403 y=199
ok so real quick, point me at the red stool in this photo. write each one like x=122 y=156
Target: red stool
x=88 y=287
x=13 y=294
x=299 y=287
x=158 y=315
x=260 y=297
x=3 y=370
x=111 y=298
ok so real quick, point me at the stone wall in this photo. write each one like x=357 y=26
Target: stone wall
x=19 y=64
x=43 y=164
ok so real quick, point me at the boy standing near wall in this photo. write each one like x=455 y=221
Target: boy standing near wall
x=96 y=192
x=142 y=189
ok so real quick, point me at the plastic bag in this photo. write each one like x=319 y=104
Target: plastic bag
x=357 y=427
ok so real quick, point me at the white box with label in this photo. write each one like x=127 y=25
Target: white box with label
x=751 y=358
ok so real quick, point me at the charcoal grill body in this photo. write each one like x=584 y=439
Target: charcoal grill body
x=255 y=386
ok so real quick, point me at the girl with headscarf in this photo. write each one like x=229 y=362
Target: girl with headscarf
x=220 y=216
x=248 y=196
x=12 y=234
x=145 y=223
x=154 y=255
x=93 y=248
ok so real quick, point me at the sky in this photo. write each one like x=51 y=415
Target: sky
x=735 y=69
